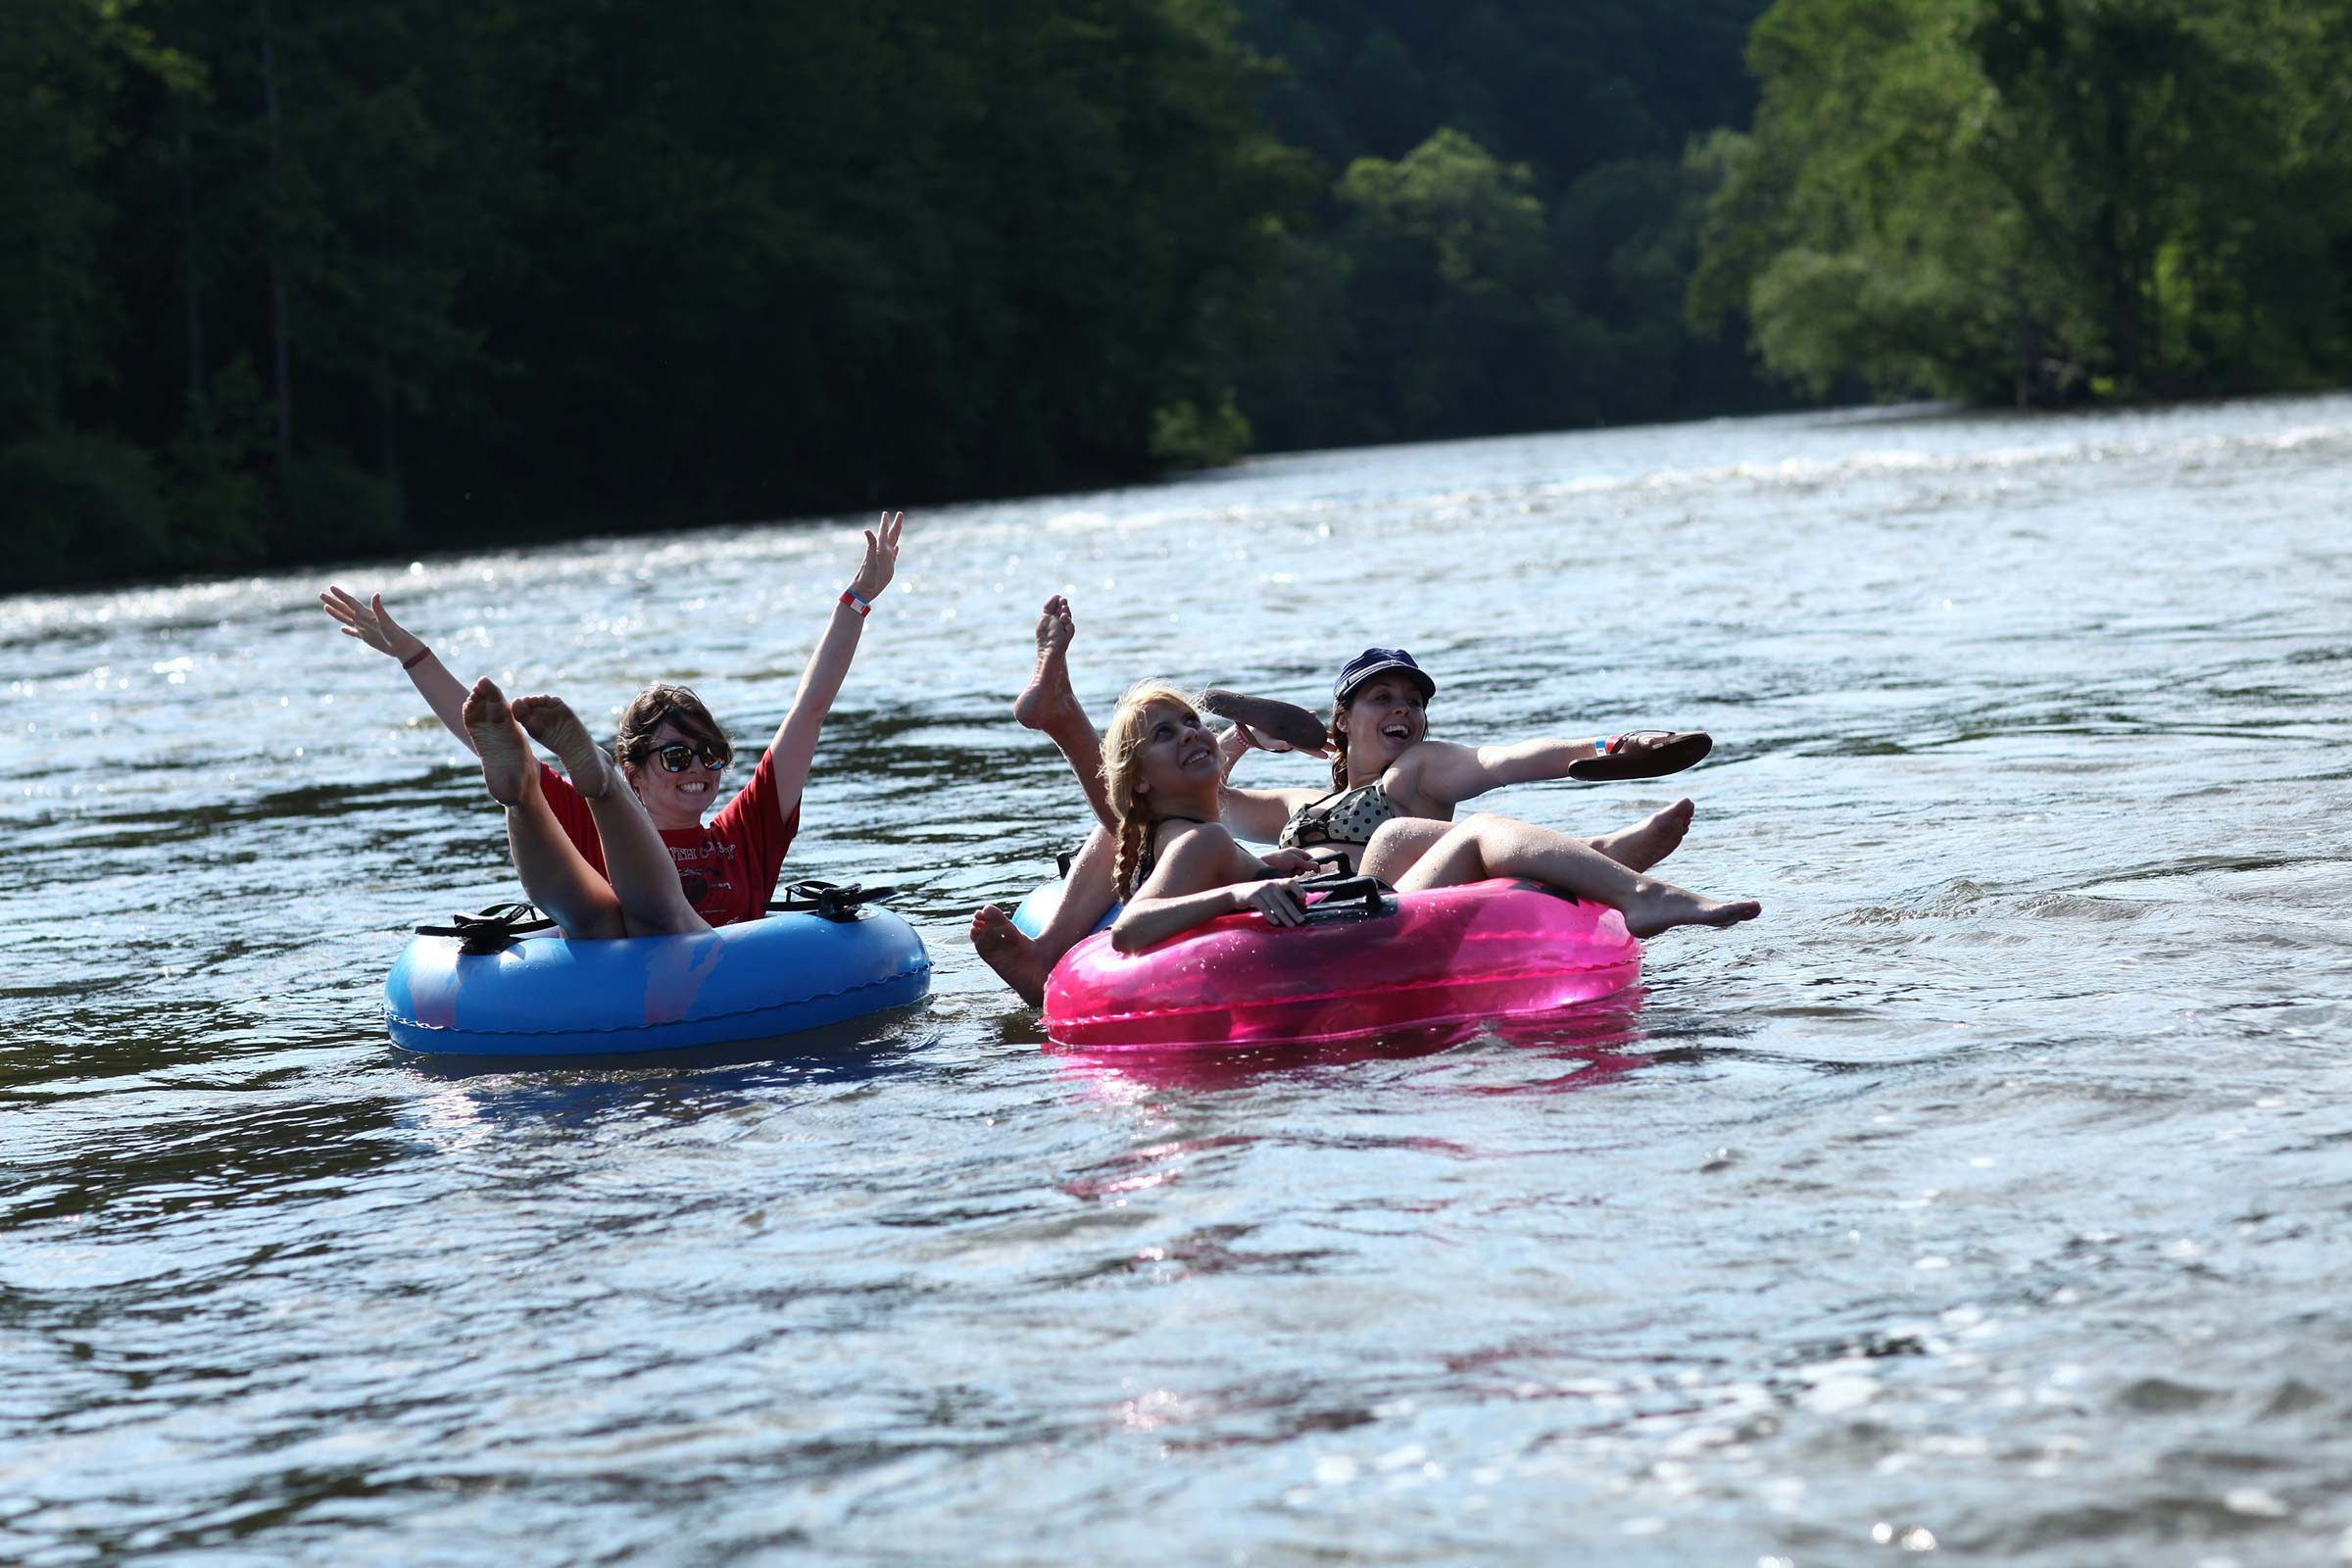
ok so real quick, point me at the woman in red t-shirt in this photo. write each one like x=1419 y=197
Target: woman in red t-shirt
x=620 y=850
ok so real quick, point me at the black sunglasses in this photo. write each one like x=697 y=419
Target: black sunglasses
x=677 y=755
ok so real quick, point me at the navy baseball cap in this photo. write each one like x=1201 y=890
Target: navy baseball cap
x=1379 y=661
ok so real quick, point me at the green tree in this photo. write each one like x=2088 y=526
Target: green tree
x=1449 y=268
x=2034 y=198
x=72 y=494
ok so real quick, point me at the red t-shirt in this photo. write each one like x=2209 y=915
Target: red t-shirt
x=728 y=867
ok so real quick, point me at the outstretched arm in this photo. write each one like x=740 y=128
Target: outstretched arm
x=1192 y=885
x=1444 y=774
x=1442 y=771
x=372 y=625
x=795 y=744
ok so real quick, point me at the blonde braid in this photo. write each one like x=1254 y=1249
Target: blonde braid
x=1132 y=832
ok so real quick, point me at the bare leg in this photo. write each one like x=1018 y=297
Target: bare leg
x=644 y=877
x=1647 y=842
x=1488 y=846
x=1087 y=895
x=554 y=875
x=1048 y=704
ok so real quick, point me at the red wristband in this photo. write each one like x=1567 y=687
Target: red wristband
x=849 y=597
x=415 y=659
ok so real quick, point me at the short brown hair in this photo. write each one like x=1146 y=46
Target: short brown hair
x=657 y=706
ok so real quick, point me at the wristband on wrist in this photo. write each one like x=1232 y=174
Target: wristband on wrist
x=417 y=658
x=1606 y=746
x=864 y=606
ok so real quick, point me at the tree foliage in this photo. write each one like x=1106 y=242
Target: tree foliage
x=286 y=277
x=2041 y=200
x=278 y=279
x=1510 y=219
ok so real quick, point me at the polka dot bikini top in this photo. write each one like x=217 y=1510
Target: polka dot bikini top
x=1345 y=817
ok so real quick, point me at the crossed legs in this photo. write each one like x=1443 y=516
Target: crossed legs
x=1408 y=855
x=643 y=897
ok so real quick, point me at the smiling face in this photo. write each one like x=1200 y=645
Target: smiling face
x=1177 y=754
x=675 y=800
x=1381 y=720
x=671 y=715
x=1159 y=760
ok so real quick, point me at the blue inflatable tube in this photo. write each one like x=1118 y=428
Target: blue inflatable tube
x=545 y=996
x=1039 y=906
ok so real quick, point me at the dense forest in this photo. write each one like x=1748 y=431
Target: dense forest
x=280 y=280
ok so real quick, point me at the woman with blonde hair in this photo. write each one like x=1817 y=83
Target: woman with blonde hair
x=1384 y=766
x=1178 y=867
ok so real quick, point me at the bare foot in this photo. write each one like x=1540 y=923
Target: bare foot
x=1013 y=955
x=554 y=725
x=1046 y=702
x=1661 y=907
x=1646 y=843
x=506 y=756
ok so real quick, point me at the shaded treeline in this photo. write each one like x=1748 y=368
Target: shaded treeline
x=284 y=278
x=1507 y=220
x=281 y=279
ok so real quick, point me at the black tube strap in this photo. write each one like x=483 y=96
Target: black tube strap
x=1333 y=856
x=828 y=901
x=1348 y=898
x=491 y=930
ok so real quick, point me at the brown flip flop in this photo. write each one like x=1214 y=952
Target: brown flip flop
x=1678 y=750
x=1268 y=716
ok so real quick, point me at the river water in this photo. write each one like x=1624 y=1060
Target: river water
x=1991 y=1197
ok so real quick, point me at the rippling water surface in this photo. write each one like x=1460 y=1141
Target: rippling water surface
x=1991 y=1197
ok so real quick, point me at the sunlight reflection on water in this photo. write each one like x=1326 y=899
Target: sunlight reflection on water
x=1986 y=1198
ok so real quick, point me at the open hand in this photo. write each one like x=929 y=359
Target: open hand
x=371 y=622
x=881 y=557
x=1278 y=901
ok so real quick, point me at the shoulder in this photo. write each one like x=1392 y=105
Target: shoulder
x=1190 y=839
x=1421 y=775
x=1188 y=857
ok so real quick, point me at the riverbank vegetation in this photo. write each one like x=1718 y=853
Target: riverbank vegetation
x=281 y=281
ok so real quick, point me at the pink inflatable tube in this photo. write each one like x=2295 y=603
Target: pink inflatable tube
x=1490 y=949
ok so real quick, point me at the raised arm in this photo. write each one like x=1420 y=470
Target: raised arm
x=372 y=625
x=795 y=744
x=1257 y=814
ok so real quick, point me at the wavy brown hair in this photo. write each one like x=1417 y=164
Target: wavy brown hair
x=657 y=706
x=1121 y=743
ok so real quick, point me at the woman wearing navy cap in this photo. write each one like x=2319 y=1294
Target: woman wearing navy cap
x=1382 y=767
